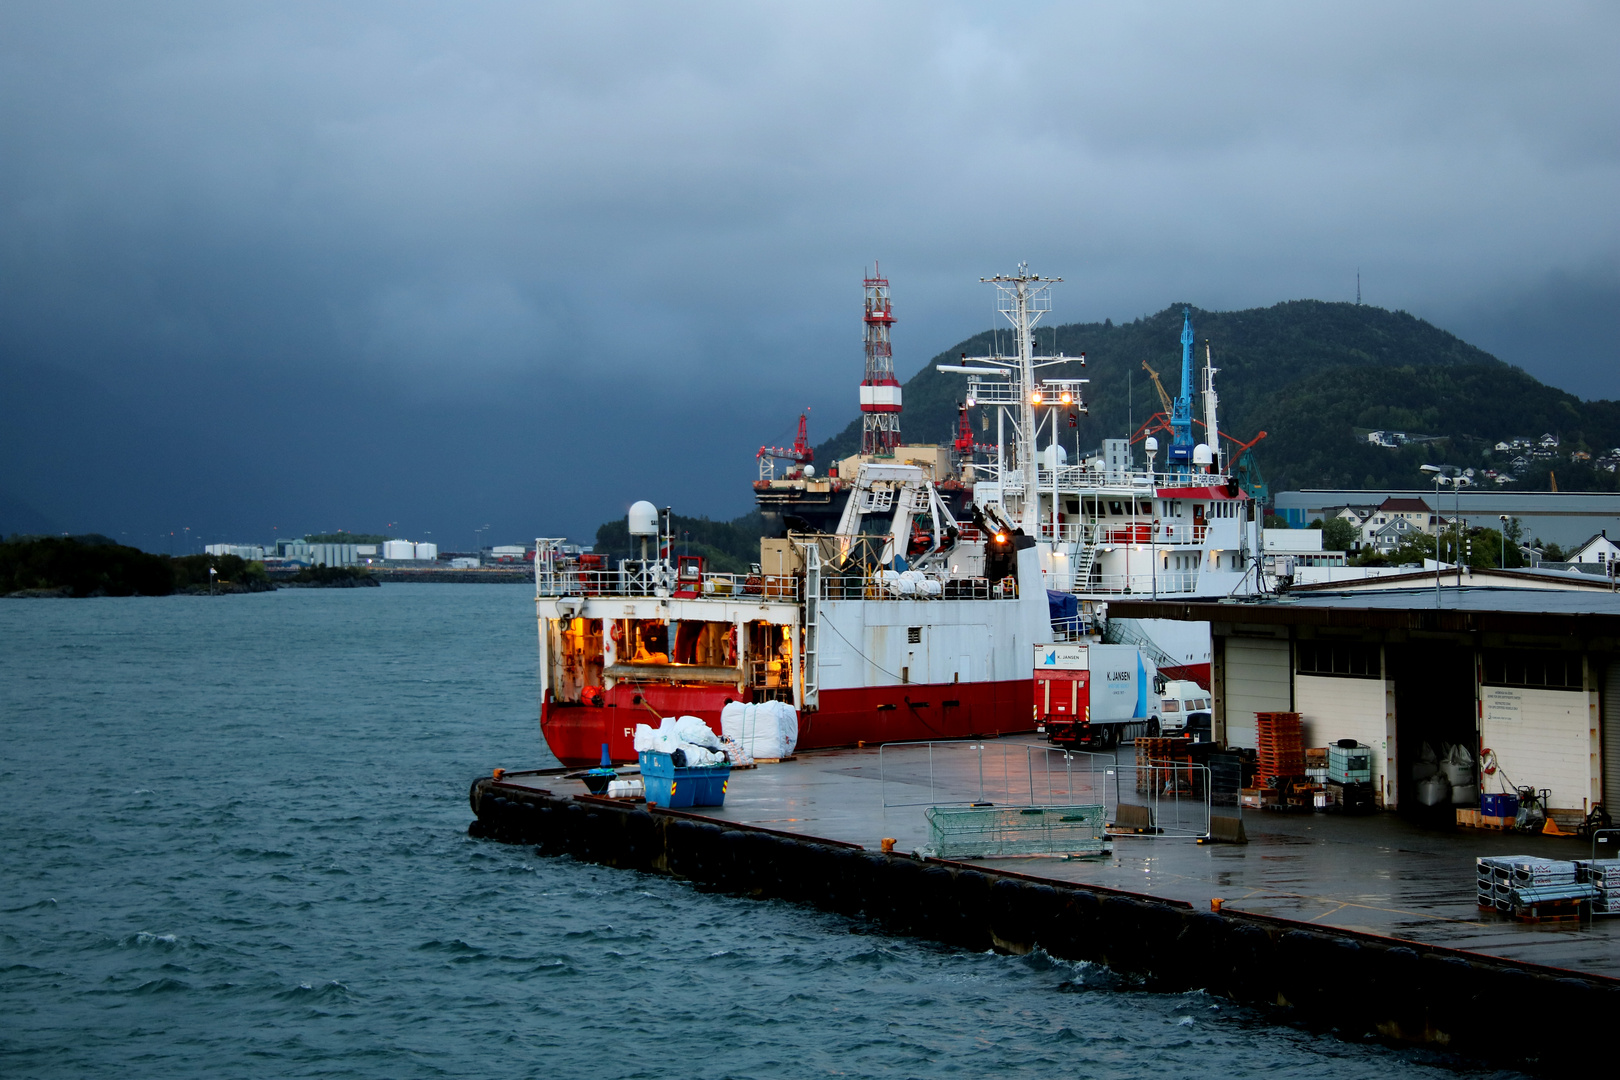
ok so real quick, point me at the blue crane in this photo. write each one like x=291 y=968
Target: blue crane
x=1181 y=422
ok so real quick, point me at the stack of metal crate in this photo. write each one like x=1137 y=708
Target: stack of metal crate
x=1530 y=887
x=1604 y=876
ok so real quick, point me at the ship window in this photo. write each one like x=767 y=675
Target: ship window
x=1116 y=509
x=913 y=635
x=1347 y=659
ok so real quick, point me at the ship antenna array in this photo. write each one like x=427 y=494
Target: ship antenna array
x=1009 y=383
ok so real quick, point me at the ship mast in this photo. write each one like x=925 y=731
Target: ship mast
x=880 y=390
x=1022 y=298
x=1212 y=433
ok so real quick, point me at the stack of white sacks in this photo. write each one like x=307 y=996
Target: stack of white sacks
x=769 y=729
x=687 y=734
x=910 y=583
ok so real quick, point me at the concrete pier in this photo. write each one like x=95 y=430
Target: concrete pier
x=1365 y=925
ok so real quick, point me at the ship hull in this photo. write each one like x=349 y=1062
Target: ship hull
x=870 y=714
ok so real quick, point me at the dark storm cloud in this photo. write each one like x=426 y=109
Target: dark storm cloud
x=331 y=266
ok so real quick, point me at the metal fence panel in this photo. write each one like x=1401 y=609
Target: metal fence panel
x=995 y=774
x=978 y=832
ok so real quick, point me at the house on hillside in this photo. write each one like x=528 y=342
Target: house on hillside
x=1549 y=441
x=1415 y=512
x=1387 y=537
x=1598 y=549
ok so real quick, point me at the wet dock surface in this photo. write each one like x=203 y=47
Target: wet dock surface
x=1376 y=873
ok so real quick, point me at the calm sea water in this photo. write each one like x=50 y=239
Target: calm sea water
x=232 y=843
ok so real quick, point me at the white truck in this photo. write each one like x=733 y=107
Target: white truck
x=1177 y=700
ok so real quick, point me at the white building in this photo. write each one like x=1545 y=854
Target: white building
x=251 y=552
x=407 y=551
x=1599 y=549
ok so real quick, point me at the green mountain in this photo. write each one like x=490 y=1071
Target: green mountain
x=1309 y=374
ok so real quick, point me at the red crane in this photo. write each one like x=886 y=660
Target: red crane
x=800 y=453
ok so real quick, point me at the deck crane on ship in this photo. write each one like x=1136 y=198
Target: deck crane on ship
x=1180 y=455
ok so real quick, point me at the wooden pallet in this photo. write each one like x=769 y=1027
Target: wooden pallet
x=775 y=760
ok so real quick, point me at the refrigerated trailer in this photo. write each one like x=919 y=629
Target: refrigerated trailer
x=1086 y=694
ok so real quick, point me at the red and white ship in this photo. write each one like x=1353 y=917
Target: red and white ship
x=903 y=622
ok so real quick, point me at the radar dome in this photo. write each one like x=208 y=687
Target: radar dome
x=809 y=471
x=643 y=519
x=1201 y=454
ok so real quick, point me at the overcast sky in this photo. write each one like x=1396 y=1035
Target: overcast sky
x=424 y=268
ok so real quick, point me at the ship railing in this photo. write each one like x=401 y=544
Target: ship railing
x=649 y=582
x=871 y=587
x=1142 y=531
x=1100 y=479
x=1067 y=532
x=1073 y=628
x=1166 y=582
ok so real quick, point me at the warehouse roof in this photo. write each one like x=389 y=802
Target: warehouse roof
x=1583 y=614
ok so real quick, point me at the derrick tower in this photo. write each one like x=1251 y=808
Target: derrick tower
x=880 y=390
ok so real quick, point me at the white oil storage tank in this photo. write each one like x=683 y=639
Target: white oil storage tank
x=427 y=551
x=398 y=549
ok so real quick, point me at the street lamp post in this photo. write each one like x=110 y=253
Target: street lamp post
x=1504 y=519
x=1457 y=484
x=1439 y=475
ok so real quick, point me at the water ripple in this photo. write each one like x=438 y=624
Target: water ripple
x=270 y=877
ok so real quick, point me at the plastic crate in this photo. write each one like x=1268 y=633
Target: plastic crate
x=675 y=789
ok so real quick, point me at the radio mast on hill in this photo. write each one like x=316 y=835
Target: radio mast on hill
x=880 y=390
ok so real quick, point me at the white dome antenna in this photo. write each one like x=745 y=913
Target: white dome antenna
x=643 y=522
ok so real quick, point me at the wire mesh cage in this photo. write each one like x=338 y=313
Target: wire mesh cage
x=980 y=832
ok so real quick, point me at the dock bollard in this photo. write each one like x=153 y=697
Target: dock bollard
x=888 y=845
x=1215 y=903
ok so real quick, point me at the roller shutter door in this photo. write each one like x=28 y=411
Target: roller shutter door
x=1258 y=678
x=1540 y=739
x=1332 y=708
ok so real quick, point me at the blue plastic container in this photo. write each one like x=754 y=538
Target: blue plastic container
x=676 y=789
x=1499 y=805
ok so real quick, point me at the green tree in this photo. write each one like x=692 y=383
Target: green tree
x=1338 y=535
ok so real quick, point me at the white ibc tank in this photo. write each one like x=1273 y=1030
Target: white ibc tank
x=643 y=519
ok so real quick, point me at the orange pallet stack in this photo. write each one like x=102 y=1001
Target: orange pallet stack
x=1164 y=754
x=1280 y=745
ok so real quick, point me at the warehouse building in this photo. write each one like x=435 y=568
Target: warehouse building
x=1529 y=674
